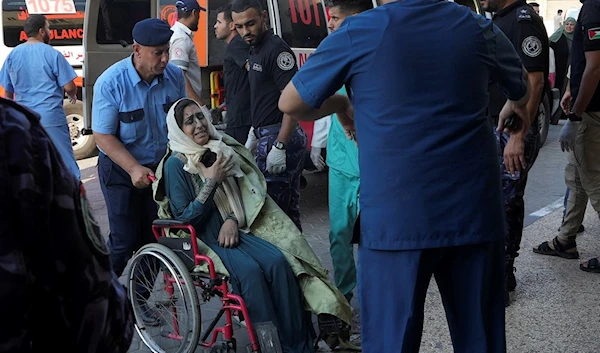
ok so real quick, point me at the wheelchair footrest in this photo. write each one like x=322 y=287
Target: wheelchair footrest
x=268 y=337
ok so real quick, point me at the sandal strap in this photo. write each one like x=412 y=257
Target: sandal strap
x=593 y=263
x=558 y=246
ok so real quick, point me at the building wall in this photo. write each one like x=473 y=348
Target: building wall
x=548 y=9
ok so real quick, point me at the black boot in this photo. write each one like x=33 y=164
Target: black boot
x=511 y=280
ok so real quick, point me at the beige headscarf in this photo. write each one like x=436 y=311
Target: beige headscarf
x=227 y=196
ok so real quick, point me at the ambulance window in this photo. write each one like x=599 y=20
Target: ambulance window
x=116 y=19
x=65 y=29
x=303 y=22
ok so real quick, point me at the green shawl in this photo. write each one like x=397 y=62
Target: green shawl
x=561 y=31
x=267 y=221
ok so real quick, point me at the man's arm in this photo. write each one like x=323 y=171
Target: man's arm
x=283 y=67
x=179 y=54
x=591 y=44
x=310 y=94
x=9 y=95
x=65 y=76
x=535 y=81
x=105 y=121
x=5 y=80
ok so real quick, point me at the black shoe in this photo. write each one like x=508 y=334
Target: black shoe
x=303 y=182
x=511 y=282
x=150 y=316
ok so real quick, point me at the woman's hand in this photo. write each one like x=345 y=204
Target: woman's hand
x=228 y=235
x=219 y=170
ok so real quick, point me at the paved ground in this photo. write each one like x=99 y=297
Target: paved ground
x=556 y=305
x=546 y=182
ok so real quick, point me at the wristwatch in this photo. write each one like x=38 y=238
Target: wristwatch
x=574 y=117
x=279 y=145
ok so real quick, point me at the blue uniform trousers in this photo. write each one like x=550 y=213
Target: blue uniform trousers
x=393 y=285
x=131 y=212
x=284 y=188
x=61 y=139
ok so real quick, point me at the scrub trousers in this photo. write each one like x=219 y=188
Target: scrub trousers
x=582 y=176
x=61 y=139
x=393 y=286
x=343 y=212
x=131 y=212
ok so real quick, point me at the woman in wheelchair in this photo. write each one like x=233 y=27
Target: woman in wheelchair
x=212 y=182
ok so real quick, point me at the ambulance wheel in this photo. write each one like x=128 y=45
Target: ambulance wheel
x=84 y=146
x=544 y=120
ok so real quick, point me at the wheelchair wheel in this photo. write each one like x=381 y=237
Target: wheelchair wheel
x=164 y=300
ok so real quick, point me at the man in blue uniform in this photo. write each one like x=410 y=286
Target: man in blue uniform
x=279 y=141
x=57 y=291
x=525 y=29
x=235 y=74
x=37 y=76
x=423 y=188
x=131 y=100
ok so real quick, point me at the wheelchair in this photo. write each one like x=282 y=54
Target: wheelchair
x=164 y=294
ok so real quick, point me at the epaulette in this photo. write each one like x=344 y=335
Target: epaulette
x=524 y=13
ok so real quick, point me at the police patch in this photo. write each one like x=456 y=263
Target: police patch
x=285 y=61
x=532 y=46
x=178 y=53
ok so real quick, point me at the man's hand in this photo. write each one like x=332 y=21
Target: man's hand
x=514 y=154
x=228 y=235
x=522 y=115
x=565 y=102
x=251 y=141
x=139 y=176
x=317 y=158
x=73 y=99
x=276 y=161
x=568 y=135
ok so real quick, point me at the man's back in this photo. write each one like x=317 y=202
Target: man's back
x=426 y=125
x=37 y=73
x=236 y=83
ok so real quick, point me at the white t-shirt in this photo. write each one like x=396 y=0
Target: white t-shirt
x=557 y=22
x=183 y=54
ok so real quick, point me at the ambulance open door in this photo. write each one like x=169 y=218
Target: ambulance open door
x=107 y=26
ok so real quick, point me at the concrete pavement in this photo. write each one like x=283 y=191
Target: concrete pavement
x=555 y=306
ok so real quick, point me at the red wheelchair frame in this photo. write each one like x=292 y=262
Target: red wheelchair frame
x=216 y=286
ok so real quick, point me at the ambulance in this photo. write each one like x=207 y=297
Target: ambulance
x=108 y=25
x=66 y=35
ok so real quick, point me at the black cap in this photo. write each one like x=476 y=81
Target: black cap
x=152 y=32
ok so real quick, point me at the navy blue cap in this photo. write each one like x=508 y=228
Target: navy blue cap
x=152 y=32
x=189 y=5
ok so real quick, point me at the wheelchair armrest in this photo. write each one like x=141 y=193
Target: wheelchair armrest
x=168 y=222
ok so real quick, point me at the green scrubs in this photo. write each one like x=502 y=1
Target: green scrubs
x=344 y=182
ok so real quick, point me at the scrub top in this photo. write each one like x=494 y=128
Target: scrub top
x=36 y=74
x=427 y=154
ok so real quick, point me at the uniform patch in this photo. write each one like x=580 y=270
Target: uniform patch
x=178 y=53
x=523 y=15
x=532 y=46
x=594 y=33
x=285 y=61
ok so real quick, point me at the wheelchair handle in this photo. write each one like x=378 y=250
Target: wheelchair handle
x=152 y=178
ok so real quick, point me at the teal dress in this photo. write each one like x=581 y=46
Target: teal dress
x=259 y=271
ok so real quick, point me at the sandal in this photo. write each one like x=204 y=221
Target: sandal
x=559 y=249
x=593 y=265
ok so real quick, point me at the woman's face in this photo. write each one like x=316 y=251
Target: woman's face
x=195 y=125
x=569 y=27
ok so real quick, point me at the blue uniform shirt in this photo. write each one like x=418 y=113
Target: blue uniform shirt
x=135 y=111
x=36 y=74
x=417 y=72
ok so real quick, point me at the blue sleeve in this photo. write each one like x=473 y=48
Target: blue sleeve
x=182 y=201
x=507 y=68
x=105 y=108
x=63 y=71
x=326 y=70
x=5 y=80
